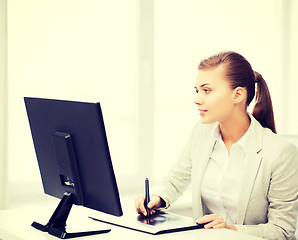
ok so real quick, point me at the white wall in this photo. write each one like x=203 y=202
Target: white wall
x=3 y=105
x=292 y=93
x=73 y=50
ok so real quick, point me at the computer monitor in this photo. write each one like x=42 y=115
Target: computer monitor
x=74 y=159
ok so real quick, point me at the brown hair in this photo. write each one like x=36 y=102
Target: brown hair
x=240 y=74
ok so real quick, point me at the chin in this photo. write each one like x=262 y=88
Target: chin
x=205 y=120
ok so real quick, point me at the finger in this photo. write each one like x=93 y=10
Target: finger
x=153 y=202
x=139 y=204
x=143 y=209
x=207 y=218
x=221 y=225
x=152 y=211
x=138 y=200
x=213 y=223
x=217 y=223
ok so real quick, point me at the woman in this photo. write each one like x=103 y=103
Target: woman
x=244 y=177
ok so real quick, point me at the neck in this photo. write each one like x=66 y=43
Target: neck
x=233 y=129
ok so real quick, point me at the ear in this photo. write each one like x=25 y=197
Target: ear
x=239 y=95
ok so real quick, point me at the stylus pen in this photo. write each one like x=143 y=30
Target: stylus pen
x=147 y=196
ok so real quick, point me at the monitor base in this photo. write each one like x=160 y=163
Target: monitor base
x=57 y=223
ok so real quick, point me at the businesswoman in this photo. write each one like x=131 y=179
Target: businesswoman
x=244 y=177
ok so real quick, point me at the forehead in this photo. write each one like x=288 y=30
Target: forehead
x=212 y=76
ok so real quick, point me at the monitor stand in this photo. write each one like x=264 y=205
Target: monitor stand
x=57 y=223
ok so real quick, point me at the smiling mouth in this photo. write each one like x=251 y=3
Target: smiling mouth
x=202 y=112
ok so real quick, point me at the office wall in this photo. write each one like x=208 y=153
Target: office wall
x=3 y=105
x=72 y=50
x=90 y=51
x=292 y=85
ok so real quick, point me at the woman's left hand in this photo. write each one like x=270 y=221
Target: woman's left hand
x=214 y=221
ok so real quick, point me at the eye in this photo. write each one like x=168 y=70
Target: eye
x=206 y=90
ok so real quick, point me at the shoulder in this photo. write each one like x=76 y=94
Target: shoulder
x=276 y=144
x=277 y=150
x=268 y=141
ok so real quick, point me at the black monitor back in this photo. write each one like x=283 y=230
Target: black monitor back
x=84 y=123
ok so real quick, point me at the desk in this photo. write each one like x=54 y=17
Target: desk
x=15 y=224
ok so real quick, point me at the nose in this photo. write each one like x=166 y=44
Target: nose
x=198 y=99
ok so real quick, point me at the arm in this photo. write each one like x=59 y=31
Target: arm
x=170 y=188
x=175 y=182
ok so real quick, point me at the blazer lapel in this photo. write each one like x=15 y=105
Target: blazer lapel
x=252 y=163
x=205 y=156
x=201 y=156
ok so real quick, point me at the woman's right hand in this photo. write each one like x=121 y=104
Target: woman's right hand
x=155 y=202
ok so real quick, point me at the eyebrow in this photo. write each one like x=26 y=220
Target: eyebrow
x=203 y=85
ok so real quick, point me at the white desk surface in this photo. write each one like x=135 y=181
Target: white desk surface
x=15 y=224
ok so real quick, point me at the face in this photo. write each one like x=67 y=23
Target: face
x=214 y=98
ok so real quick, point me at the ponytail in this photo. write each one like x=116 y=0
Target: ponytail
x=263 y=110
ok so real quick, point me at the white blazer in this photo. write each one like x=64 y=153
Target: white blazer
x=268 y=200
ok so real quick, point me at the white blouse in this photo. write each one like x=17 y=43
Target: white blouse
x=223 y=178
